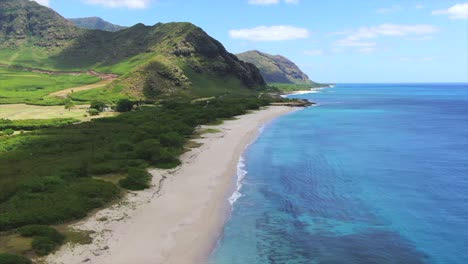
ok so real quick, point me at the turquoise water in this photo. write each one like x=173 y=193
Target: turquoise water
x=373 y=174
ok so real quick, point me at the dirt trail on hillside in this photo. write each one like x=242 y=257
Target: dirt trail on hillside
x=106 y=78
x=66 y=92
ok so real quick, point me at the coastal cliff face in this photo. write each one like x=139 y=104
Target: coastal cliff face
x=154 y=61
x=275 y=68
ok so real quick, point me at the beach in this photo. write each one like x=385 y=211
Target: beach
x=178 y=219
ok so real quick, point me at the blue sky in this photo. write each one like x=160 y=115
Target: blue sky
x=332 y=41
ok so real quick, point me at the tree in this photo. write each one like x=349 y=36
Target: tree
x=93 y=112
x=98 y=105
x=124 y=105
x=69 y=104
x=8 y=132
x=137 y=179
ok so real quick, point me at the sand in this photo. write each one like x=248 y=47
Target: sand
x=177 y=220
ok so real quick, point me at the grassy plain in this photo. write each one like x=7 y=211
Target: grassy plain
x=17 y=86
x=23 y=111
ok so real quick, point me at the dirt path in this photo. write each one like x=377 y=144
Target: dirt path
x=66 y=92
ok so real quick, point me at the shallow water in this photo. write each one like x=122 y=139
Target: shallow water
x=373 y=174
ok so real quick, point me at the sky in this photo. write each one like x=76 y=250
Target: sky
x=339 y=41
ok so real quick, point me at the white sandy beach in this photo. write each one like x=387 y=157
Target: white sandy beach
x=179 y=220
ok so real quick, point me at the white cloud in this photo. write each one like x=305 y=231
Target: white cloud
x=316 y=52
x=271 y=2
x=132 y=4
x=270 y=33
x=458 y=11
x=364 y=36
x=43 y=2
x=393 y=8
x=419 y=6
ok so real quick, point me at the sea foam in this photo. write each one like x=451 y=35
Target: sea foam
x=242 y=172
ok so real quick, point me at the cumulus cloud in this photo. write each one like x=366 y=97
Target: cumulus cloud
x=132 y=4
x=43 y=2
x=271 y=2
x=316 y=52
x=270 y=33
x=458 y=11
x=364 y=36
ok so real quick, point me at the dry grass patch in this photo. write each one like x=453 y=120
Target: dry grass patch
x=24 y=111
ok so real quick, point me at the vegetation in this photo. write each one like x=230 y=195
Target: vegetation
x=137 y=179
x=124 y=105
x=6 y=258
x=45 y=238
x=98 y=105
x=61 y=170
x=46 y=176
x=95 y=23
x=33 y=124
x=93 y=112
x=276 y=68
x=154 y=61
x=291 y=87
x=8 y=132
x=17 y=86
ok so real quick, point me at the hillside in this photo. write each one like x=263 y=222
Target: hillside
x=95 y=23
x=153 y=61
x=24 y=22
x=275 y=68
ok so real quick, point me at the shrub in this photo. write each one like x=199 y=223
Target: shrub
x=8 y=132
x=6 y=258
x=137 y=179
x=42 y=231
x=172 y=139
x=93 y=112
x=98 y=105
x=46 y=238
x=124 y=105
x=43 y=245
x=148 y=149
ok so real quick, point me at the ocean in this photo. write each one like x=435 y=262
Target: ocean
x=375 y=173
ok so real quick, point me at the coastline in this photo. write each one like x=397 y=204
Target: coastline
x=311 y=90
x=179 y=219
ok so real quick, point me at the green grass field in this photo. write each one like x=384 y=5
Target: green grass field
x=18 y=86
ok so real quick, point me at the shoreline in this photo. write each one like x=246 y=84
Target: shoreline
x=312 y=90
x=180 y=218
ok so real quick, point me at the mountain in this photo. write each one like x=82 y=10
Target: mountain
x=275 y=68
x=95 y=23
x=164 y=59
x=26 y=22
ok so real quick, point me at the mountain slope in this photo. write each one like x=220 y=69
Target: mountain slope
x=95 y=23
x=26 y=22
x=275 y=68
x=164 y=59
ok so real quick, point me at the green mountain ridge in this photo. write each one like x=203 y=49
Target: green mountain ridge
x=95 y=23
x=276 y=68
x=153 y=61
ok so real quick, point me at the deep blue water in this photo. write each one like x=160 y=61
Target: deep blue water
x=373 y=174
